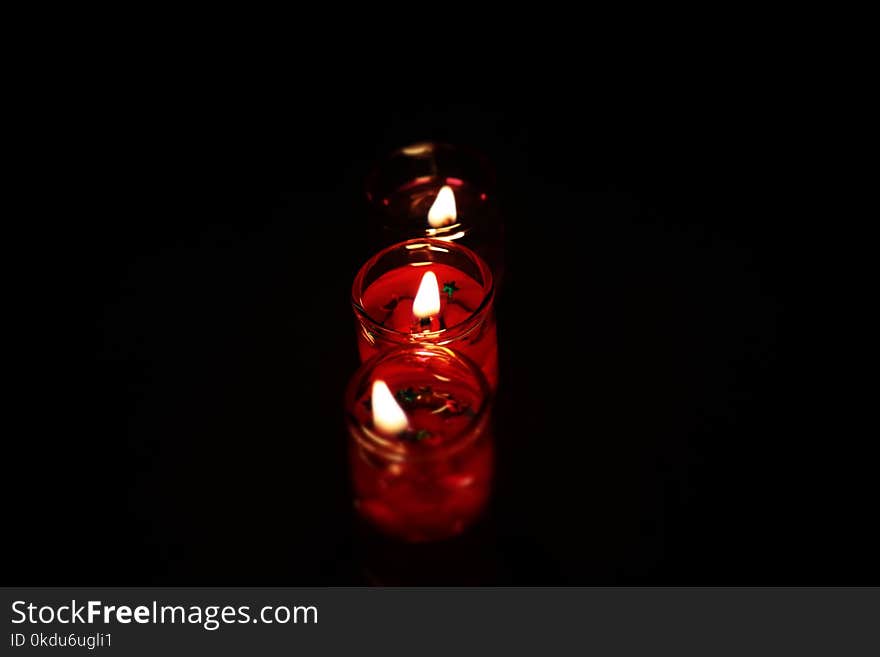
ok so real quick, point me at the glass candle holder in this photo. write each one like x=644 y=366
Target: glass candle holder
x=404 y=193
x=426 y=476
x=386 y=295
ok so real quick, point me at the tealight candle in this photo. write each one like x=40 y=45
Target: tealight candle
x=437 y=191
x=421 y=452
x=427 y=291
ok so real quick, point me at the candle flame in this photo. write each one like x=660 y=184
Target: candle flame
x=427 y=301
x=442 y=212
x=388 y=416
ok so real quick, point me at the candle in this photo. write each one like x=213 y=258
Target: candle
x=421 y=453
x=427 y=291
x=437 y=191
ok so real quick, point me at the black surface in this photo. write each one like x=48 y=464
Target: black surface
x=188 y=423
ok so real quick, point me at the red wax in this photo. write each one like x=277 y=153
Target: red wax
x=432 y=481
x=462 y=323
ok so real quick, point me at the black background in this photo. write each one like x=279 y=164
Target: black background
x=196 y=266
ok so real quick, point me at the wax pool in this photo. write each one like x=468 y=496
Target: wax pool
x=389 y=303
x=432 y=480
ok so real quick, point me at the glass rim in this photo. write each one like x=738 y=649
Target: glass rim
x=396 y=451
x=442 y=336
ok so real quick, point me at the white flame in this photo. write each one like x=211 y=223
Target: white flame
x=427 y=301
x=388 y=416
x=442 y=211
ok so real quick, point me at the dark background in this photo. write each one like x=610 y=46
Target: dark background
x=188 y=382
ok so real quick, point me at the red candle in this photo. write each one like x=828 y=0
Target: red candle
x=427 y=291
x=434 y=207
x=436 y=191
x=420 y=450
